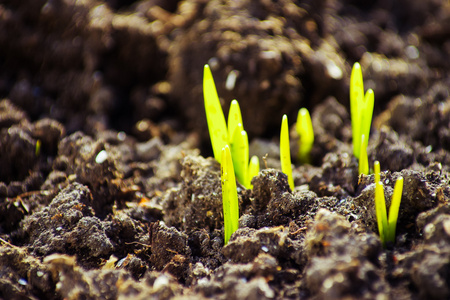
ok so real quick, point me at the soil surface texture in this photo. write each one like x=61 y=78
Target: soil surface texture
x=107 y=185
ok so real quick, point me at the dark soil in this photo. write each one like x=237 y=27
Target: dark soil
x=107 y=190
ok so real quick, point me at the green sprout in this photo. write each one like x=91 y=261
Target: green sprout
x=253 y=170
x=214 y=114
x=234 y=117
x=361 y=109
x=240 y=154
x=229 y=195
x=394 y=208
x=233 y=135
x=387 y=227
x=37 y=149
x=376 y=171
x=306 y=135
x=285 y=151
x=363 y=159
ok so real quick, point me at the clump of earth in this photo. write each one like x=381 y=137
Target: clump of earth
x=107 y=185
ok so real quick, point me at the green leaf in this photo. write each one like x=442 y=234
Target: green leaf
x=214 y=114
x=363 y=159
x=376 y=171
x=253 y=170
x=306 y=135
x=380 y=209
x=366 y=114
x=394 y=209
x=356 y=100
x=234 y=118
x=240 y=154
x=229 y=195
x=285 y=151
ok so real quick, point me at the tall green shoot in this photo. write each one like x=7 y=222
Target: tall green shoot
x=387 y=227
x=229 y=195
x=253 y=170
x=363 y=159
x=240 y=154
x=214 y=115
x=380 y=210
x=234 y=118
x=285 y=151
x=394 y=209
x=361 y=109
x=306 y=135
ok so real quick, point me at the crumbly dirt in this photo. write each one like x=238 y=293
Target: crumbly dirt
x=107 y=187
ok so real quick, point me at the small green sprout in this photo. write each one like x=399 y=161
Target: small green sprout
x=285 y=151
x=229 y=195
x=234 y=118
x=380 y=210
x=376 y=171
x=306 y=135
x=394 y=208
x=387 y=227
x=214 y=114
x=253 y=170
x=361 y=108
x=37 y=149
x=233 y=135
x=240 y=154
x=363 y=159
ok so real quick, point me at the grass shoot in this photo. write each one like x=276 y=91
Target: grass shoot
x=361 y=108
x=376 y=171
x=214 y=115
x=306 y=135
x=285 y=151
x=240 y=154
x=363 y=159
x=394 y=208
x=253 y=170
x=387 y=227
x=380 y=210
x=234 y=118
x=229 y=195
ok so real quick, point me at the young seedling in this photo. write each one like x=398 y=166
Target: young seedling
x=387 y=227
x=253 y=170
x=229 y=195
x=394 y=208
x=380 y=210
x=376 y=171
x=234 y=118
x=214 y=115
x=240 y=154
x=285 y=151
x=363 y=159
x=306 y=135
x=221 y=134
x=361 y=108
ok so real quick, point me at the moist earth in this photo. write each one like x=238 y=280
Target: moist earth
x=107 y=187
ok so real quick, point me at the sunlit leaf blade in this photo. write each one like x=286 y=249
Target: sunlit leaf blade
x=240 y=154
x=376 y=171
x=356 y=99
x=394 y=209
x=234 y=118
x=306 y=135
x=366 y=114
x=229 y=195
x=214 y=114
x=253 y=170
x=363 y=159
x=285 y=151
x=380 y=209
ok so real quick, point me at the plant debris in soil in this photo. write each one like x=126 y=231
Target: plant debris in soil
x=107 y=190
